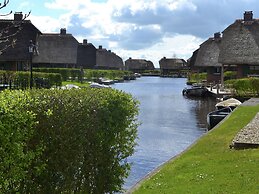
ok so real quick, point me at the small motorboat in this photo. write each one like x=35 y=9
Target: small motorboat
x=214 y=117
x=198 y=91
x=223 y=109
x=231 y=102
x=97 y=85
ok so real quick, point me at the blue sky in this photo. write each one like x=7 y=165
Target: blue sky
x=149 y=29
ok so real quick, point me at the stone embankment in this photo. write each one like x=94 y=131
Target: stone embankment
x=248 y=137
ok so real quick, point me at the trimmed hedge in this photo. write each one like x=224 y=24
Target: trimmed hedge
x=66 y=141
x=21 y=79
x=66 y=73
x=92 y=74
x=244 y=87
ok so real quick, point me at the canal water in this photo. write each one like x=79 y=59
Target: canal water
x=170 y=122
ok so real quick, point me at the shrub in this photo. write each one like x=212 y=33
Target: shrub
x=245 y=86
x=87 y=136
x=18 y=160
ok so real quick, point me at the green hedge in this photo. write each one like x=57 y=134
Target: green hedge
x=244 y=87
x=91 y=74
x=66 y=141
x=197 y=77
x=21 y=79
x=66 y=73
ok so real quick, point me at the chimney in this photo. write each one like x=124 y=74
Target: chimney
x=248 y=16
x=85 y=42
x=18 y=16
x=109 y=51
x=63 y=31
x=100 y=47
x=217 y=35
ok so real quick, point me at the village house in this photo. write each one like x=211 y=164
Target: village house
x=138 y=65
x=206 y=59
x=57 y=50
x=15 y=40
x=105 y=59
x=86 y=55
x=240 y=46
x=172 y=66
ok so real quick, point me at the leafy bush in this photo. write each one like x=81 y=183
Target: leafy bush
x=228 y=75
x=21 y=79
x=197 y=77
x=244 y=87
x=92 y=74
x=66 y=73
x=18 y=163
x=87 y=135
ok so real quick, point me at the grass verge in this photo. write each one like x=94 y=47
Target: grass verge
x=84 y=84
x=210 y=166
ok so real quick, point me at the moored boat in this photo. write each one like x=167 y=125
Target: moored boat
x=214 y=117
x=198 y=91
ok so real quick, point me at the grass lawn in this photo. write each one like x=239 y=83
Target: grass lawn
x=84 y=84
x=210 y=166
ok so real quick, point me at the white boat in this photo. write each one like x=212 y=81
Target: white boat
x=231 y=102
x=96 y=85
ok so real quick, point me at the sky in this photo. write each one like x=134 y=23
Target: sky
x=140 y=29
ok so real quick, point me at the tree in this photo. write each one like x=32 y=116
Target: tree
x=9 y=30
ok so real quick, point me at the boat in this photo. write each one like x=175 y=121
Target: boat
x=223 y=109
x=231 y=102
x=198 y=91
x=97 y=85
x=214 y=117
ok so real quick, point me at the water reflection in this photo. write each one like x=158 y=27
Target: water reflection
x=170 y=122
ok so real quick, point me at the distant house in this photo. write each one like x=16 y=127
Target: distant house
x=240 y=46
x=105 y=59
x=56 y=50
x=172 y=66
x=138 y=65
x=206 y=59
x=19 y=32
x=86 y=55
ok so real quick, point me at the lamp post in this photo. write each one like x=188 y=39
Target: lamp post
x=31 y=51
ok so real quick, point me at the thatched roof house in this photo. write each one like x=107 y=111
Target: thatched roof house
x=105 y=59
x=172 y=63
x=240 y=44
x=207 y=58
x=56 y=50
x=86 y=55
x=138 y=65
x=170 y=66
x=14 y=50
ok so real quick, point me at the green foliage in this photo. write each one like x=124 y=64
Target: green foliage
x=18 y=163
x=91 y=74
x=244 y=87
x=66 y=73
x=21 y=79
x=87 y=136
x=197 y=77
x=228 y=75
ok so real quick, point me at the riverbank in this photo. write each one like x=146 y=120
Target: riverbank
x=209 y=165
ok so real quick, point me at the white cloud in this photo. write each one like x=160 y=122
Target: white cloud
x=144 y=28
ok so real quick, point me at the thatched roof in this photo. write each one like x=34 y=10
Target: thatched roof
x=105 y=59
x=209 y=53
x=172 y=63
x=240 y=43
x=22 y=31
x=192 y=59
x=60 y=48
x=139 y=64
x=86 y=55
